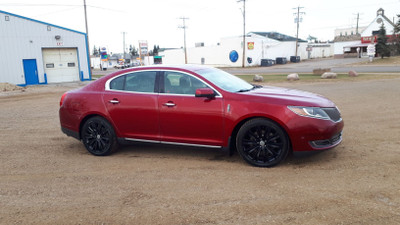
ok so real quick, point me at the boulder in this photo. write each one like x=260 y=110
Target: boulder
x=293 y=76
x=320 y=71
x=353 y=73
x=329 y=75
x=258 y=78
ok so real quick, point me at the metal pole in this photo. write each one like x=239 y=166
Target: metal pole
x=87 y=36
x=184 y=40
x=297 y=33
x=184 y=36
x=244 y=33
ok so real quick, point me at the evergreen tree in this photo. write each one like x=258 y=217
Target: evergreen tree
x=381 y=46
x=132 y=50
x=155 y=49
x=397 y=25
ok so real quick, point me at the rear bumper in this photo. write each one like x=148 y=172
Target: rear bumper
x=70 y=133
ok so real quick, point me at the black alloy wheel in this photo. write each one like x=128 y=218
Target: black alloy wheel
x=262 y=143
x=98 y=136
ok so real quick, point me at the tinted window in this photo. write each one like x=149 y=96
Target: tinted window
x=179 y=83
x=138 y=82
x=118 y=83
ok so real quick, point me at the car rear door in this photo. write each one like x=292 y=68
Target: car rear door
x=185 y=118
x=132 y=103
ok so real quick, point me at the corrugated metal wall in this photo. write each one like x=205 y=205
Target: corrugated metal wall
x=24 y=38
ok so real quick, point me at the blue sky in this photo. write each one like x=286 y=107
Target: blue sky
x=157 y=21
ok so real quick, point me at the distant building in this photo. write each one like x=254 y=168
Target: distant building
x=356 y=45
x=35 y=52
x=258 y=46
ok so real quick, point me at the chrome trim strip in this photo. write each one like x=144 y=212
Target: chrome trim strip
x=142 y=140
x=107 y=84
x=172 y=143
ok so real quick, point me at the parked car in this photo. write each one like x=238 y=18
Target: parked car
x=199 y=106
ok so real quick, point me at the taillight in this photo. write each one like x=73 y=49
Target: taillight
x=62 y=98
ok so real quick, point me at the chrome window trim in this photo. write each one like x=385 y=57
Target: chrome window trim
x=107 y=84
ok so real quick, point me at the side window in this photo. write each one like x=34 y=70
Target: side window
x=138 y=82
x=179 y=83
x=118 y=83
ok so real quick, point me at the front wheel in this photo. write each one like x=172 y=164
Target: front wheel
x=262 y=143
x=98 y=136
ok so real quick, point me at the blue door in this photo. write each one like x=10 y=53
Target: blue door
x=30 y=70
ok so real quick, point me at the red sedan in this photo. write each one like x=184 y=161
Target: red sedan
x=199 y=106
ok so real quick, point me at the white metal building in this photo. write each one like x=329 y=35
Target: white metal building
x=367 y=37
x=259 y=45
x=35 y=52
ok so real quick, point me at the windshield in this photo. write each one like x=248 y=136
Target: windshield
x=225 y=81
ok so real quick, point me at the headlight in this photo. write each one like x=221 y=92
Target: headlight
x=314 y=112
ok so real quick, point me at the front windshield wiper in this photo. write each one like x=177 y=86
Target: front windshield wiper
x=254 y=87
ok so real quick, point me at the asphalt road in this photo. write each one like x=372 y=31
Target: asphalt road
x=336 y=65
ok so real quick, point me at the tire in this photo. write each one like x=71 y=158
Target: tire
x=99 y=137
x=262 y=143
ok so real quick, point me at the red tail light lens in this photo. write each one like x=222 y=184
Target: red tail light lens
x=62 y=98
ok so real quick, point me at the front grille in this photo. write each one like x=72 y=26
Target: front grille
x=327 y=143
x=333 y=113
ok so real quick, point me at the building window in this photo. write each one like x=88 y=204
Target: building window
x=48 y=28
x=50 y=65
x=7 y=18
x=71 y=64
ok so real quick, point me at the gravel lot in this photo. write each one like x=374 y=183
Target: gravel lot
x=49 y=178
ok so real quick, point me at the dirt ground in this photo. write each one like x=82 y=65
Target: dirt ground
x=49 y=178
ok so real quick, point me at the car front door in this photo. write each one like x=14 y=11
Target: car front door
x=132 y=103
x=185 y=118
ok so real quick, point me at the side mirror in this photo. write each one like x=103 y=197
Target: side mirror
x=205 y=92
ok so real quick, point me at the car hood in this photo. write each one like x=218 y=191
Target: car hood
x=288 y=97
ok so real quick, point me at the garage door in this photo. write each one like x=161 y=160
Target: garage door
x=61 y=64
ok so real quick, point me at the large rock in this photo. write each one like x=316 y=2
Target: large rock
x=329 y=75
x=320 y=71
x=353 y=73
x=258 y=78
x=293 y=76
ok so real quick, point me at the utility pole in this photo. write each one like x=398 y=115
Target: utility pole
x=358 y=17
x=123 y=42
x=358 y=20
x=297 y=20
x=184 y=35
x=87 y=36
x=244 y=30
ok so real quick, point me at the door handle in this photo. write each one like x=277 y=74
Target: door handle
x=169 y=104
x=114 y=101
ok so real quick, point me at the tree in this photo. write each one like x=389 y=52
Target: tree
x=395 y=39
x=397 y=25
x=381 y=46
x=132 y=50
x=95 y=51
x=156 y=49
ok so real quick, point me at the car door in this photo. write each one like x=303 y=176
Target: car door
x=132 y=103
x=185 y=118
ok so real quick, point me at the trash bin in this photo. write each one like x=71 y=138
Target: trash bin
x=266 y=62
x=295 y=59
x=281 y=60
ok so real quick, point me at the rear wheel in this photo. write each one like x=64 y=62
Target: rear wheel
x=262 y=143
x=99 y=137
